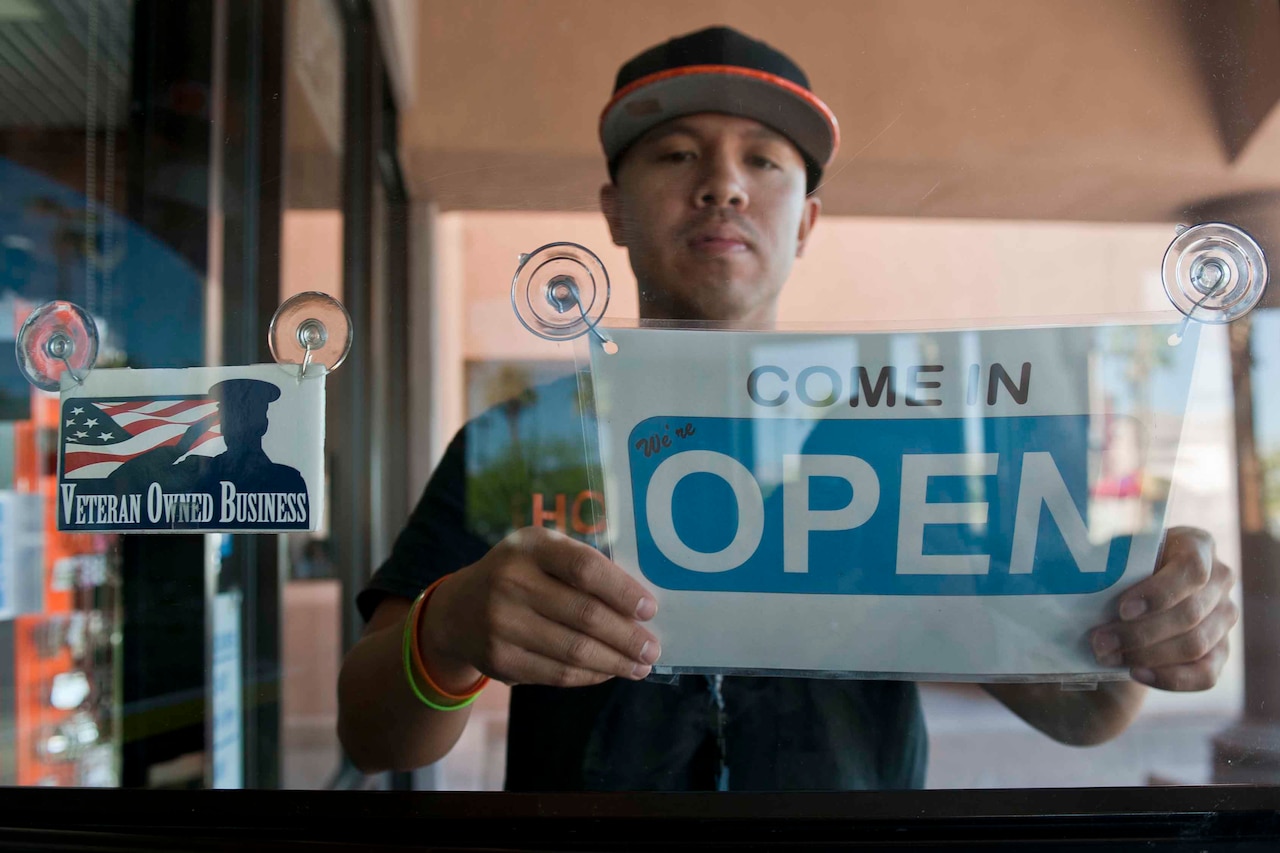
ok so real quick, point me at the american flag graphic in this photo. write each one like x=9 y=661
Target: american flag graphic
x=99 y=436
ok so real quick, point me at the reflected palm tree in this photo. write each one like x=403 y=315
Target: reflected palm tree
x=1250 y=479
x=71 y=245
x=67 y=242
x=512 y=391
x=1271 y=491
x=1144 y=352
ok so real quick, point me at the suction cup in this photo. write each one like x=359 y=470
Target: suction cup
x=310 y=329
x=57 y=338
x=1214 y=272
x=560 y=291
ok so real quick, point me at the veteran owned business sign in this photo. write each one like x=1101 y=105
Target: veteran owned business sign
x=235 y=449
x=952 y=504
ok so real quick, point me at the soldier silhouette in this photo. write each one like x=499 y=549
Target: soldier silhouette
x=242 y=409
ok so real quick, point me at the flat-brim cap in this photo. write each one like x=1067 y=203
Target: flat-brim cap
x=719 y=70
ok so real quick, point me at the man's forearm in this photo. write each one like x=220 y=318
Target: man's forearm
x=381 y=724
x=1074 y=717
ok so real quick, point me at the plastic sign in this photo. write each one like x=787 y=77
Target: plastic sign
x=954 y=503
x=206 y=449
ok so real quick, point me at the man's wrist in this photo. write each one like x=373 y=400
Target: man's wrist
x=450 y=672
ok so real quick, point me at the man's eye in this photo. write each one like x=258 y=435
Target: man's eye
x=678 y=156
x=764 y=163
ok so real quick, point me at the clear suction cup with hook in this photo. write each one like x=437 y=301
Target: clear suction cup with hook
x=57 y=338
x=1213 y=273
x=560 y=292
x=310 y=331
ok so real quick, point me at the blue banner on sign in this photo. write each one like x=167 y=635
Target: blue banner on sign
x=980 y=506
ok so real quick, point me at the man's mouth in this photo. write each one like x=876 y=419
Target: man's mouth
x=719 y=242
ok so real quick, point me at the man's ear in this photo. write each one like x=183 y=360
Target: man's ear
x=808 y=219
x=611 y=205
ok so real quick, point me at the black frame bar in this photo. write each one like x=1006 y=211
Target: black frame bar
x=162 y=654
x=347 y=409
x=1244 y=818
x=253 y=165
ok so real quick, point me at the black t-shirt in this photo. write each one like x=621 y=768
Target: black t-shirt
x=522 y=463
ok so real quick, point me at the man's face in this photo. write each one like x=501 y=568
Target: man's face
x=713 y=212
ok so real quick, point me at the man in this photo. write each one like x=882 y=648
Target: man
x=715 y=147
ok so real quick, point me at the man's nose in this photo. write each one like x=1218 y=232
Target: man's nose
x=721 y=184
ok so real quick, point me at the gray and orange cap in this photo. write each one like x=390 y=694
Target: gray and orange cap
x=719 y=70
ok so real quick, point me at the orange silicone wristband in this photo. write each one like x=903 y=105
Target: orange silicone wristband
x=415 y=618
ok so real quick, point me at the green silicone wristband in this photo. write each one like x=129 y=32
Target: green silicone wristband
x=413 y=683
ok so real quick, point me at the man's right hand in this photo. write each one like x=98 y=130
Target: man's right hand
x=539 y=608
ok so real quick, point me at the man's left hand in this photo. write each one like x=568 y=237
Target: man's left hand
x=1173 y=626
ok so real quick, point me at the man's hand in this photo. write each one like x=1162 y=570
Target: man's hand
x=1172 y=631
x=540 y=608
x=1172 y=634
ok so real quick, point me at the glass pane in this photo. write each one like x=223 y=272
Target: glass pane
x=963 y=199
